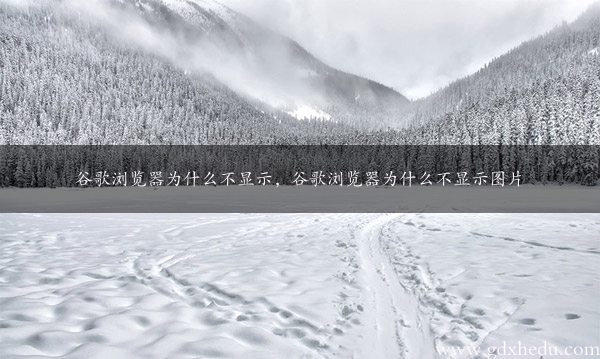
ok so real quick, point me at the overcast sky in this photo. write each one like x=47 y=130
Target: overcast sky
x=414 y=46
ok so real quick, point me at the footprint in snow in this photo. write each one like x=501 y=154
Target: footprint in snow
x=527 y=321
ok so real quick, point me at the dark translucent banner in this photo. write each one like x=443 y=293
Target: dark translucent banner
x=299 y=179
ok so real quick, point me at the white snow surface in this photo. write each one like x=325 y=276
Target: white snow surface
x=305 y=112
x=593 y=51
x=295 y=286
x=184 y=6
x=185 y=9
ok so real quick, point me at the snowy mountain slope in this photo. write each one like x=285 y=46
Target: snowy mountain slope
x=104 y=77
x=556 y=56
x=195 y=72
x=545 y=91
x=295 y=77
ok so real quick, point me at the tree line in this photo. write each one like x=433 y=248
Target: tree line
x=62 y=166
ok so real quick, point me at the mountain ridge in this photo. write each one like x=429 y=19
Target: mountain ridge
x=93 y=80
x=278 y=58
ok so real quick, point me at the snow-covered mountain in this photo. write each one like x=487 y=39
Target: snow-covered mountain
x=564 y=53
x=277 y=69
x=196 y=72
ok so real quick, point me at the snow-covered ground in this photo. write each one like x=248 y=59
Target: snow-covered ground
x=295 y=286
x=309 y=113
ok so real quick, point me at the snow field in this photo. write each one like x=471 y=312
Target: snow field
x=294 y=286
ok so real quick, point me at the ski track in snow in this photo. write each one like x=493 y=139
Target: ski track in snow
x=295 y=286
x=398 y=329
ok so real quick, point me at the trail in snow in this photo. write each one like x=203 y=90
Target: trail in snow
x=483 y=280
x=296 y=286
x=396 y=327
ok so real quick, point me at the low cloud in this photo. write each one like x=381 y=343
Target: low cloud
x=415 y=46
x=241 y=70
